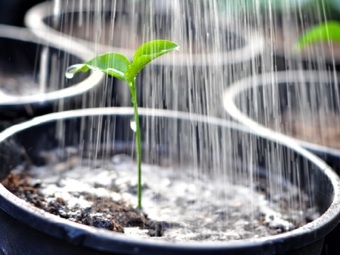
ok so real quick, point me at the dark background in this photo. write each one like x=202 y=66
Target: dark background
x=12 y=12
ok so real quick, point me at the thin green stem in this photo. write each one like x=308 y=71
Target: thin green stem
x=132 y=86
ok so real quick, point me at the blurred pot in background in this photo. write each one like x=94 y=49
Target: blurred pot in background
x=213 y=51
x=32 y=75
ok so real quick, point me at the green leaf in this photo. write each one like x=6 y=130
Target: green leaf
x=148 y=52
x=328 y=31
x=113 y=64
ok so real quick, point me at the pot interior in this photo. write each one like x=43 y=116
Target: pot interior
x=297 y=104
x=118 y=27
x=178 y=82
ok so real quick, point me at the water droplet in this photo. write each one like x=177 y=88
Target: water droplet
x=69 y=75
x=44 y=72
x=133 y=125
x=71 y=70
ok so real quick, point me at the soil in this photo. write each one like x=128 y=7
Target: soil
x=103 y=212
x=187 y=208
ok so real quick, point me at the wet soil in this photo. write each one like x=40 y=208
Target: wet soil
x=177 y=206
x=103 y=213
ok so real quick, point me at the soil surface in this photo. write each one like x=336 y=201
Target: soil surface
x=102 y=213
x=178 y=205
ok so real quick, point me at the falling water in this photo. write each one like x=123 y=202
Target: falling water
x=56 y=12
x=43 y=70
x=221 y=43
x=198 y=29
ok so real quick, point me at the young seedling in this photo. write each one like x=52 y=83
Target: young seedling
x=119 y=66
x=328 y=31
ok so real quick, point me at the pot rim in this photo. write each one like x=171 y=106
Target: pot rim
x=25 y=35
x=92 y=237
x=254 y=44
x=266 y=79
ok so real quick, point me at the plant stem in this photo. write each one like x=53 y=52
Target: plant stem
x=132 y=86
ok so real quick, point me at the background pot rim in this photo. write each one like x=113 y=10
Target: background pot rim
x=255 y=81
x=25 y=35
x=92 y=237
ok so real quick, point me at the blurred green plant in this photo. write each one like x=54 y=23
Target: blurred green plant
x=119 y=66
x=327 y=31
x=329 y=8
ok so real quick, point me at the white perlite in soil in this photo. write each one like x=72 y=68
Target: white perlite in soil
x=191 y=209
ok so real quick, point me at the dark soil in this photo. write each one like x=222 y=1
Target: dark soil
x=192 y=211
x=108 y=214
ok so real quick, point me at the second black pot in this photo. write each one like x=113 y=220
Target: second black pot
x=32 y=75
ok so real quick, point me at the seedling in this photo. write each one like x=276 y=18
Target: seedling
x=328 y=31
x=119 y=66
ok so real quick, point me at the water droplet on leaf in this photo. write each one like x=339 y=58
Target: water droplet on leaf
x=133 y=125
x=71 y=70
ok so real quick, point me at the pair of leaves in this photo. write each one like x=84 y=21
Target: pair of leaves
x=119 y=66
x=328 y=31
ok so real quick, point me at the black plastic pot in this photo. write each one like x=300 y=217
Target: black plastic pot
x=180 y=138
x=259 y=102
x=212 y=53
x=32 y=79
x=262 y=101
